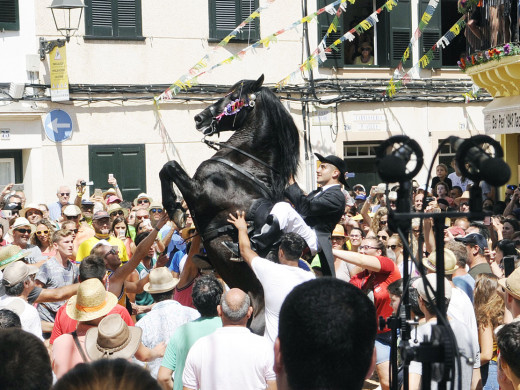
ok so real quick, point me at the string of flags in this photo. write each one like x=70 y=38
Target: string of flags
x=319 y=55
x=191 y=79
x=184 y=80
x=425 y=19
x=423 y=62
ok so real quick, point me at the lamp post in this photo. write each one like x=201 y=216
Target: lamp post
x=63 y=21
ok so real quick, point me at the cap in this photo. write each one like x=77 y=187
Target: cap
x=432 y=279
x=16 y=272
x=392 y=196
x=113 y=199
x=72 y=211
x=359 y=186
x=338 y=163
x=475 y=239
x=86 y=202
x=100 y=215
x=360 y=197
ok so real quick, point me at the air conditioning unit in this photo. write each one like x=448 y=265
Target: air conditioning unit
x=16 y=90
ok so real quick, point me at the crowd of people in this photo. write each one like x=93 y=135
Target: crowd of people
x=106 y=293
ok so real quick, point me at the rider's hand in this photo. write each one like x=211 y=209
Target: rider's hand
x=239 y=221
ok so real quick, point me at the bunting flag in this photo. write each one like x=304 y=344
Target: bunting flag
x=188 y=80
x=473 y=94
x=318 y=56
x=425 y=19
x=394 y=86
x=184 y=80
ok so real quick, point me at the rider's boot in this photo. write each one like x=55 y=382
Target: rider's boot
x=268 y=236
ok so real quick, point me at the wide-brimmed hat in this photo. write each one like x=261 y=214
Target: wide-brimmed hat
x=161 y=280
x=464 y=196
x=110 y=191
x=112 y=339
x=364 y=45
x=450 y=262
x=432 y=279
x=338 y=231
x=512 y=283
x=71 y=211
x=142 y=195
x=21 y=221
x=92 y=301
x=116 y=207
x=11 y=253
x=16 y=272
x=30 y=206
x=338 y=163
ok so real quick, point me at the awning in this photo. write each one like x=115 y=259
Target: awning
x=502 y=116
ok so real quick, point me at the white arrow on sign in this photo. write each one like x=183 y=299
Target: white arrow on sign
x=55 y=126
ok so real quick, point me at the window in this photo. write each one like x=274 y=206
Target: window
x=9 y=18
x=361 y=160
x=10 y=167
x=113 y=19
x=226 y=15
x=446 y=154
x=386 y=41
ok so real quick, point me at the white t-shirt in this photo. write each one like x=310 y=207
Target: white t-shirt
x=28 y=314
x=464 y=344
x=456 y=181
x=461 y=308
x=278 y=280
x=230 y=358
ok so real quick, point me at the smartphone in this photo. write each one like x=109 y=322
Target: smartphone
x=509 y=265
x=17 y=187
x=98 y=192
x=110 y=176
x=487 y=220
x=350 y=174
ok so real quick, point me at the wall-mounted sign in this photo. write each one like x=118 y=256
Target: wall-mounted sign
x=58 y=126
x=59 y=75
x=321 y=117
x=5 y=134
x=502 y=116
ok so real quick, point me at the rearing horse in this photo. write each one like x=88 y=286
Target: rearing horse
x=255 y=163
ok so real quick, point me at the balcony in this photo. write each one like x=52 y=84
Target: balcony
x=492 y=57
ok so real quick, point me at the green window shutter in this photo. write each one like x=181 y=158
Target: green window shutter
x=99 y=18
x=400 y=28
x=105 y=19
x=129 y=18
x=334 y=58
x=226 y=15
x=9 y=15
x=431 y=34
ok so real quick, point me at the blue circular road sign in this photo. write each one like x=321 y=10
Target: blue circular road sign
x=58 y=126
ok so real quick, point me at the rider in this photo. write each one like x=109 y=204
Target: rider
x=315 y=216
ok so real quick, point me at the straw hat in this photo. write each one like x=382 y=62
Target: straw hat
x=161 y=280
x=116 y=207
x=512 y=283
x=92 y=301
x=112 y=339
x=465 y=196
x=9 y=254
x=338 y=231
x=71 y=211
x=432 y=279
x=110 y=191
x=21 y=221
x=30 y=206
x=450 y=262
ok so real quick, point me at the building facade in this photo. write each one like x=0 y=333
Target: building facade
x=127 y=52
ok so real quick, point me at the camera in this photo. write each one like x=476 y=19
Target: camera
x=430 y=199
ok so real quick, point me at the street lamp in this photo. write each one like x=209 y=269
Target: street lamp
x=64 y=25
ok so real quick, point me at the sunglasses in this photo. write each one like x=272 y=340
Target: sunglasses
x=383 y=222
x=365 y=49
x=511 y=187
x=464 y=204
x=65 y=193
x=69 y=217
x=392 y=247
x=142 y=201
x=111 y=252
x=156 y=210
x=116 y=213
x=24 y=231
x=416 y=230
x=382 y=237
x=87 y=207
x=42 y=232
x=365 y=247
x=75 y=231
x=142 y=216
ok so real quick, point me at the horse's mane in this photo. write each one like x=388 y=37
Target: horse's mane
x=286 y=142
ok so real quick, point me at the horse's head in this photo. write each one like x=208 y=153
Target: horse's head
x=231 y=111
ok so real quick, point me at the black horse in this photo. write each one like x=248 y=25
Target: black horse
x=249 y=172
